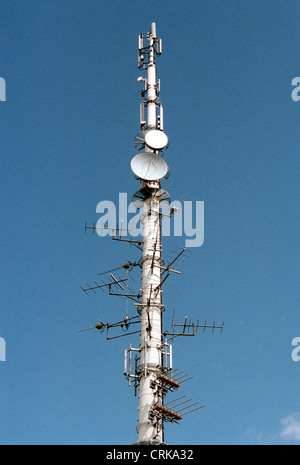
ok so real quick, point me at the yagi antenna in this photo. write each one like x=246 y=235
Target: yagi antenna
x=148 y=365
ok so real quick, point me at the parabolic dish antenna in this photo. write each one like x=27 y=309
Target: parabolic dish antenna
x=156 y=140
x=149 y=166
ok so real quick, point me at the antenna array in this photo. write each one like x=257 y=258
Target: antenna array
x=149 y=367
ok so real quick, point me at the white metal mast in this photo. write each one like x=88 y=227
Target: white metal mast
x=151 y=431
x=152 y=368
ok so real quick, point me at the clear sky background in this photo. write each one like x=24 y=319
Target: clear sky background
x=67 y=133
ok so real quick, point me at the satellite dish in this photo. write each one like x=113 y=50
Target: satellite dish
x=156 y=140
x=149 y=166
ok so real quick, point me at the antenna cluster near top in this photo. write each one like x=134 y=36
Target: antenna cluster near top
x=145 y=43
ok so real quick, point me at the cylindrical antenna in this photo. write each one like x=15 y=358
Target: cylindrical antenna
x=153 y=30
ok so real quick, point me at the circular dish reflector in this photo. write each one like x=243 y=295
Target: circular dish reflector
x=149 y=166
x=156 y=140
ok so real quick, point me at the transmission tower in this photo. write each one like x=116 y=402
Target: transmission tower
x=149 y=367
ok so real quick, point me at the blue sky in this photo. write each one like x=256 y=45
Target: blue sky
x=67 y=131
